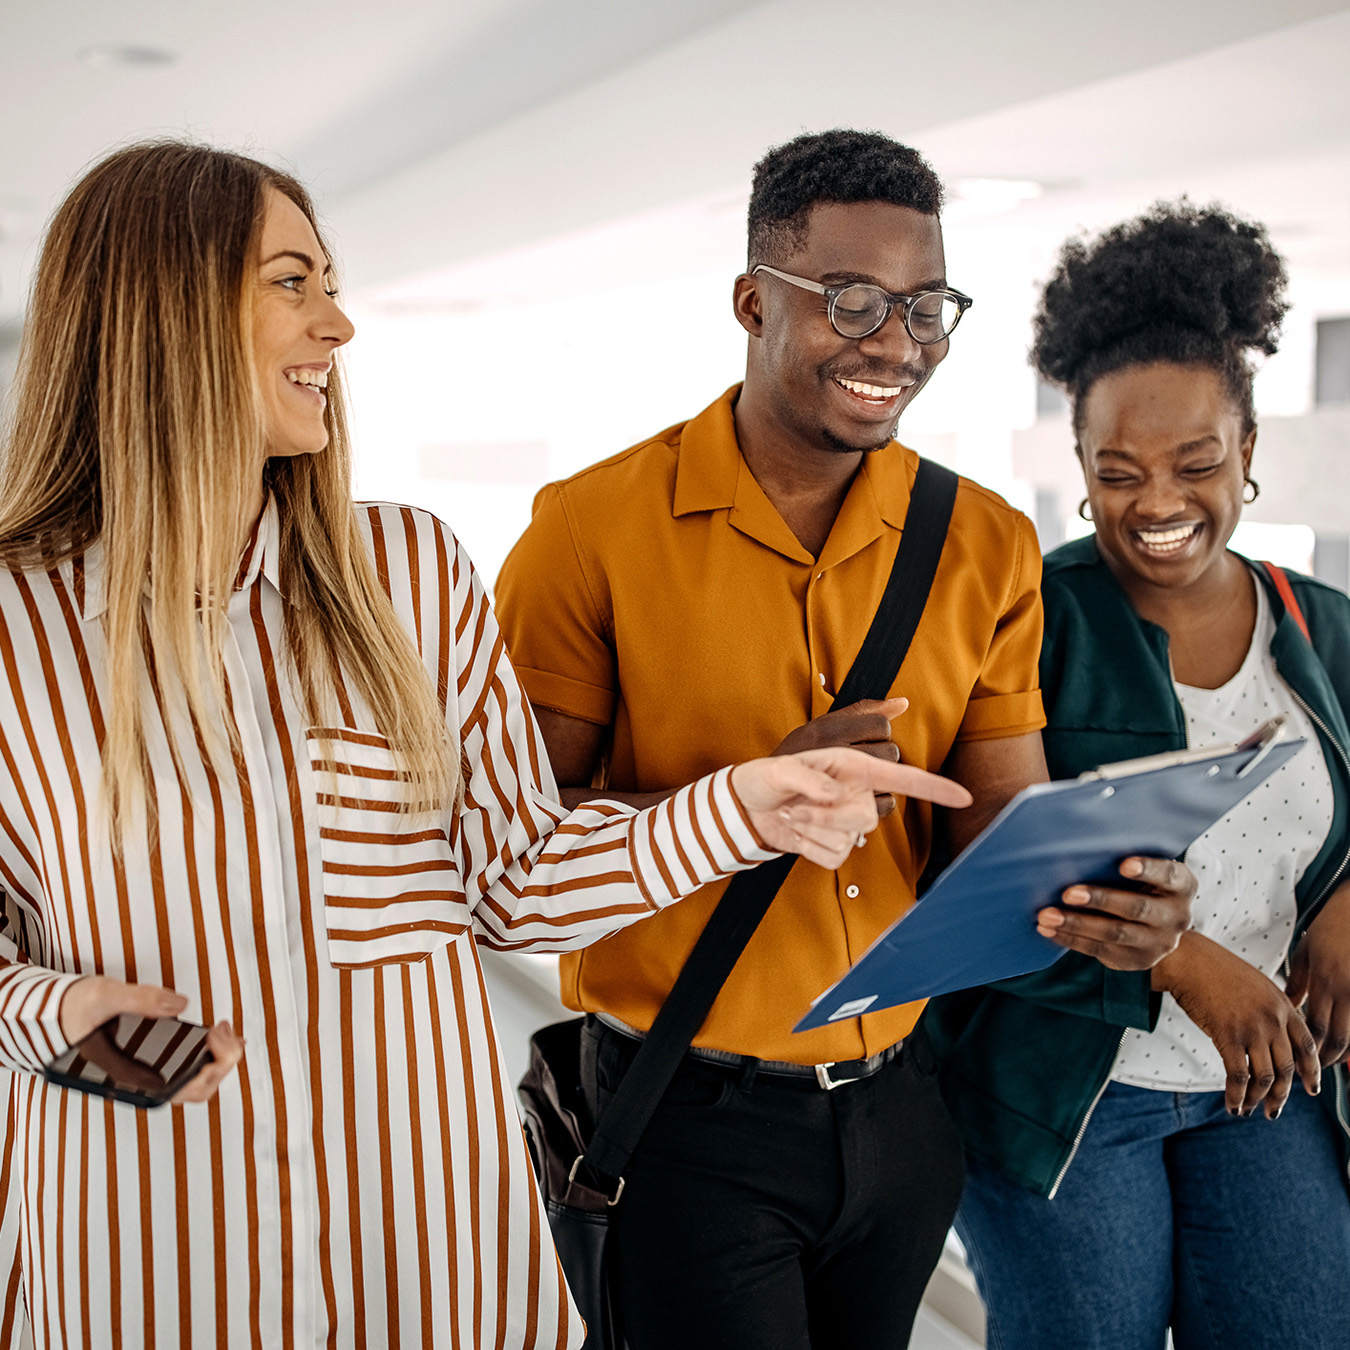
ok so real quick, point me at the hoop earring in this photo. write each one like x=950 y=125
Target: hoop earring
x=1255 y=487
x=1085 y=511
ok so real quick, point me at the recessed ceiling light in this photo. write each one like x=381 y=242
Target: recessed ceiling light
x=115 y=54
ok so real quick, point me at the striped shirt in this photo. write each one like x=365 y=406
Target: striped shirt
x=363 y=1178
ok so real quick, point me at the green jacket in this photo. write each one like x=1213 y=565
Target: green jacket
x=1024 y=1061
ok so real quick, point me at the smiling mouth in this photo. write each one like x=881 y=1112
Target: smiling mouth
x=311 y=384
x=1163 y=542
x=870 y=393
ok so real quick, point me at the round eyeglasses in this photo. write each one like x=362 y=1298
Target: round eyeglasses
x=857 y=308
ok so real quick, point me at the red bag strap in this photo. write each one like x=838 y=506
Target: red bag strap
x=1286 y=591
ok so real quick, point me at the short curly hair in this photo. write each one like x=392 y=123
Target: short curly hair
x=831 y=166
x=1194 y=285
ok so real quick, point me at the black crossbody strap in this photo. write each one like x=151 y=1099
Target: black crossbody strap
x=749 y=895
x=902 y=603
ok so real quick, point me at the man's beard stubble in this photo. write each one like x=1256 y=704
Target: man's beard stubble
x=842 y=447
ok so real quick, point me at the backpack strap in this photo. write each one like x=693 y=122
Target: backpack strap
x=1286 y=593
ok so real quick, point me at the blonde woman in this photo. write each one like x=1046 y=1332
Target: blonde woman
x=264 y=763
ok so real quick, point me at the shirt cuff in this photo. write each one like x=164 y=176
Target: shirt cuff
x=1128 y=999
x=692 y=839
x=30 y=1006
x=1002 y=715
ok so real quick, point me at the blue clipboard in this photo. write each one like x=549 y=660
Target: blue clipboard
x=976 y=924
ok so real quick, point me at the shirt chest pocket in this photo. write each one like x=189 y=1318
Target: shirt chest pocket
x=391 y=887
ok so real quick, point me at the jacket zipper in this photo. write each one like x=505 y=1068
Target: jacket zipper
x=1082 y=1128
x=1311 y=912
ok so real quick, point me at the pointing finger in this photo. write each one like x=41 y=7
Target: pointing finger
x=876 y=775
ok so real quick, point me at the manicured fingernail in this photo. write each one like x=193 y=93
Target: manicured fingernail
x=1131 y=867
x=1276 y=1115
x=1049 y=918
x=1076 y=895
x=1233 y=1111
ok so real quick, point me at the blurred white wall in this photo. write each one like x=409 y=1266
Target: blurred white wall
x=538 y=204
x=477 y=381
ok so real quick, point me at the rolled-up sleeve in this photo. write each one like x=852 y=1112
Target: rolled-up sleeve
x=1006 y=699
x=545 y=574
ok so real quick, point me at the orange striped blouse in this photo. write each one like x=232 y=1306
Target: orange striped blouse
x=363 y=1179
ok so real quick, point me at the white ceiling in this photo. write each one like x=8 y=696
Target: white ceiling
x=689 y=122
x=345 y=94
x=440 y=132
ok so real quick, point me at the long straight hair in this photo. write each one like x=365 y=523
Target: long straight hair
x=137 y=421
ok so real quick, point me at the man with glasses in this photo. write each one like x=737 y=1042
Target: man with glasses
x=698 y=599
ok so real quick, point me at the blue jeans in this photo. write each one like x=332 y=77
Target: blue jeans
x=1234 y=1232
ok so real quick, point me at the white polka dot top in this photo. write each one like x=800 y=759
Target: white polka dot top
x=1247 y=864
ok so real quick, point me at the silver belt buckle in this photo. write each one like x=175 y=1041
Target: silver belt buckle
x=824 y=1079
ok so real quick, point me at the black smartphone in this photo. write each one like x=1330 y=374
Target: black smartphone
x=140 y=1060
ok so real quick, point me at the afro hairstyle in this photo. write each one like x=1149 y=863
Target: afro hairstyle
x=1192 y=285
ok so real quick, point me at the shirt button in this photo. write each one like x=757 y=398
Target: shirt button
x=851 y=892
x=822 y=679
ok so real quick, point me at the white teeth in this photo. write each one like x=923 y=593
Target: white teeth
x=871 y=390
x=317 y=379
x=1166 y=541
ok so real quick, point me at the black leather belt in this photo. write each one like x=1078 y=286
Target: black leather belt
x=827 y=1076
x=830 y=1075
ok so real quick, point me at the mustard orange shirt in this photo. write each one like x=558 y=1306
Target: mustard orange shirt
x=660 y=594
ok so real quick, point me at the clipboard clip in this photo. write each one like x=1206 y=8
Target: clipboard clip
x=1264 y=739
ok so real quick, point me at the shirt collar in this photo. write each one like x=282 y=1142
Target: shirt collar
x=710 y=458
x=262 y=553
x=261 y=558
x=711 y=475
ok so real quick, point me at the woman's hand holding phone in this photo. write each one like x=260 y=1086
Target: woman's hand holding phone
x=92 y=1000
x=226 y=1051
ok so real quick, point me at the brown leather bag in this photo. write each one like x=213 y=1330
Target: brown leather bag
x=557 y=1129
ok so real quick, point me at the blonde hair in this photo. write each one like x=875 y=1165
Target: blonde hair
x=137 y=421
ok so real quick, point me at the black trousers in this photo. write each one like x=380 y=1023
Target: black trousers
x=764 y=1214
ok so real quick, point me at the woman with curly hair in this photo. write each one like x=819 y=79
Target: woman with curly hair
x=264 y=762
x=1169 y=1148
